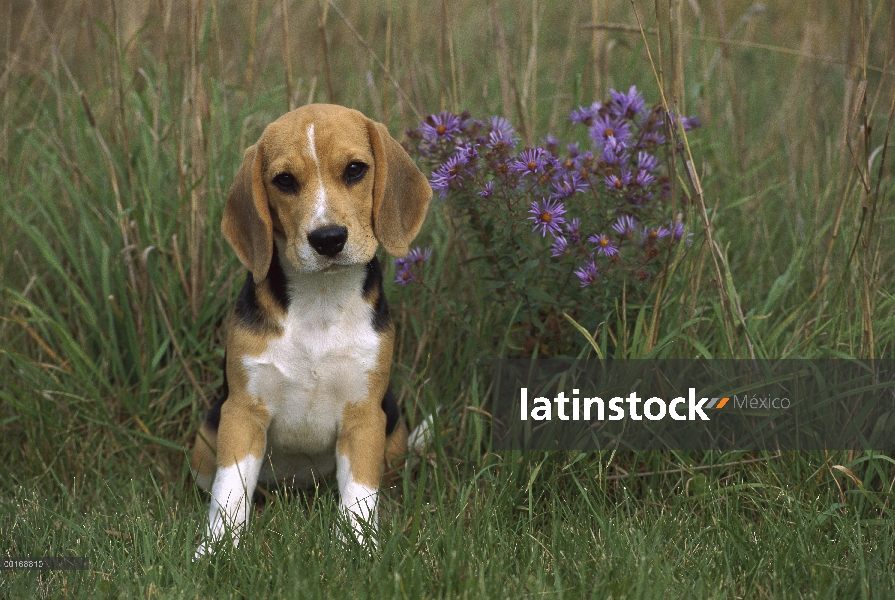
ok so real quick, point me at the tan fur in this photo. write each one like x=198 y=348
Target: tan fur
x=243 y=429
x=396 y=220
x=247 y=223
x=204 y=462
x=395 y=448
x=363 y=438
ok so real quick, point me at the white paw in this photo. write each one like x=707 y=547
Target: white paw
x=351 y=527
x=201 y=551
x=421 y=436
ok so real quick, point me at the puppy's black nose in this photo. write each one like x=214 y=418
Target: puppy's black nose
x=328 y=241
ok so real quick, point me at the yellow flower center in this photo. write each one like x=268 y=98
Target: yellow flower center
x=441 y=129
x=546 y=217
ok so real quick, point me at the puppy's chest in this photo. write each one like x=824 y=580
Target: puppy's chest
x=322 y=362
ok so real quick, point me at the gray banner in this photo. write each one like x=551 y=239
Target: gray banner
x=680 y=404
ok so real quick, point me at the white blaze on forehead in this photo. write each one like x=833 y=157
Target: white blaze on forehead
x=319 y=217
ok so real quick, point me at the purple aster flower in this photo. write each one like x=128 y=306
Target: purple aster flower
x=552 y=165
x=647 y=161
x=627 y=106
x=500 y=133
x=403 y=275
x=567 y=185
x=418 y=256
x=550 y=144
x=588 y=273
x=679 y=232
x=488 y=191
x=573 y=227
x=573 y=150
x=586 y=116
x=571 y=164
x=560 y=246
x=468 y=150
x=442 y=126
x=625 y=226
x=533 y=160
x=500 y=125
x=687 y=123
x=690 y=123
x=606 y=127
x=605 y=246
x=643 y=178
x=547 y=217
x=613 y=152
x=618 y=183
x=651 y=234
x=448 y=173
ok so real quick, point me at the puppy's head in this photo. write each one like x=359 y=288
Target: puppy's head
x=326 y=185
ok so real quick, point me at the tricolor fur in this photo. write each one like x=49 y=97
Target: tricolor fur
x=309 y=343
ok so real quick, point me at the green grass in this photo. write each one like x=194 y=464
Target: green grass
x=115 y=283
x=536 y=525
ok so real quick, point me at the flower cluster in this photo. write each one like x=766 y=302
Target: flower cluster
x=409 y=268
x=601 y=202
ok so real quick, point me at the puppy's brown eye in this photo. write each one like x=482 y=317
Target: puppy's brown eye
x=355 y=171
x=285 y=183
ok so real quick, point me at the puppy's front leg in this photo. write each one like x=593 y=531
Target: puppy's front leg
x=360 y=455
x=242 y=438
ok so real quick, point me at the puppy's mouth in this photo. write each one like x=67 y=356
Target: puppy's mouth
x=309 y=261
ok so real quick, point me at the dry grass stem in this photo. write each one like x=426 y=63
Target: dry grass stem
x=324 y=50
x=287 y=55
x=373 y=55
x=734 y=463
x=598 y=62
x=730 y=312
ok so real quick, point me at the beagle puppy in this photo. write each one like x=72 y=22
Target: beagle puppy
x=309 y=344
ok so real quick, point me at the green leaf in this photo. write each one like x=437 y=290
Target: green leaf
x=590 y=339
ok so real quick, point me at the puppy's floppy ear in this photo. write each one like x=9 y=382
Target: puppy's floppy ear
x=247 y=224
x=401 y=193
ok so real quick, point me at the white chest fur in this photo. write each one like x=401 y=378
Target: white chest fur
x=320 y=363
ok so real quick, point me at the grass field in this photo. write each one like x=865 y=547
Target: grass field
x=120 y=131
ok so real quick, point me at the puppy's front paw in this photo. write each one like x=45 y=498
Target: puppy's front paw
x=357 y=503
x=214 y=534
x=360 y=521
x=201 y=551
x=350 y=530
